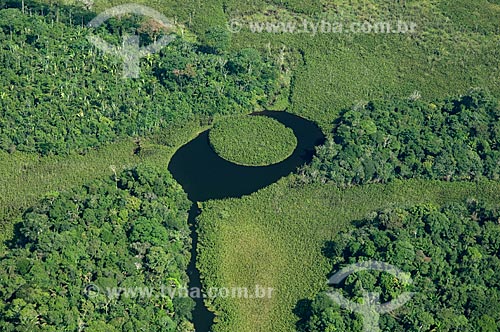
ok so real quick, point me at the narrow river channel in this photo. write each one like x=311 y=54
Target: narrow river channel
x=204 y=175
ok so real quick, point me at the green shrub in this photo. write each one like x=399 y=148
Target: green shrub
x=252 y=140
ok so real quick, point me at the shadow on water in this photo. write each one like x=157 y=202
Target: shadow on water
x=204 y=175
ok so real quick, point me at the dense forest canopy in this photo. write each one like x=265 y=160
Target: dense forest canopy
x=383 y=140
x=452 y=253
x=58 y=93
x=127 y=231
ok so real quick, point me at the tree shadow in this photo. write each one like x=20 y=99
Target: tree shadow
x=18 y=238
x=328 y=249
x=303 y=311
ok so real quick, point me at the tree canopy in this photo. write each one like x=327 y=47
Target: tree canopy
x=59 y=94
x=75 y=250
x=452 y=254
x=450 y=140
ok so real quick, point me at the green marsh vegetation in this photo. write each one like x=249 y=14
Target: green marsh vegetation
x=252 y=140
x=276 y=236
x=455 y=48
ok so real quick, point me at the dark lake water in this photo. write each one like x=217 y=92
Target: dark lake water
x=204 y=175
